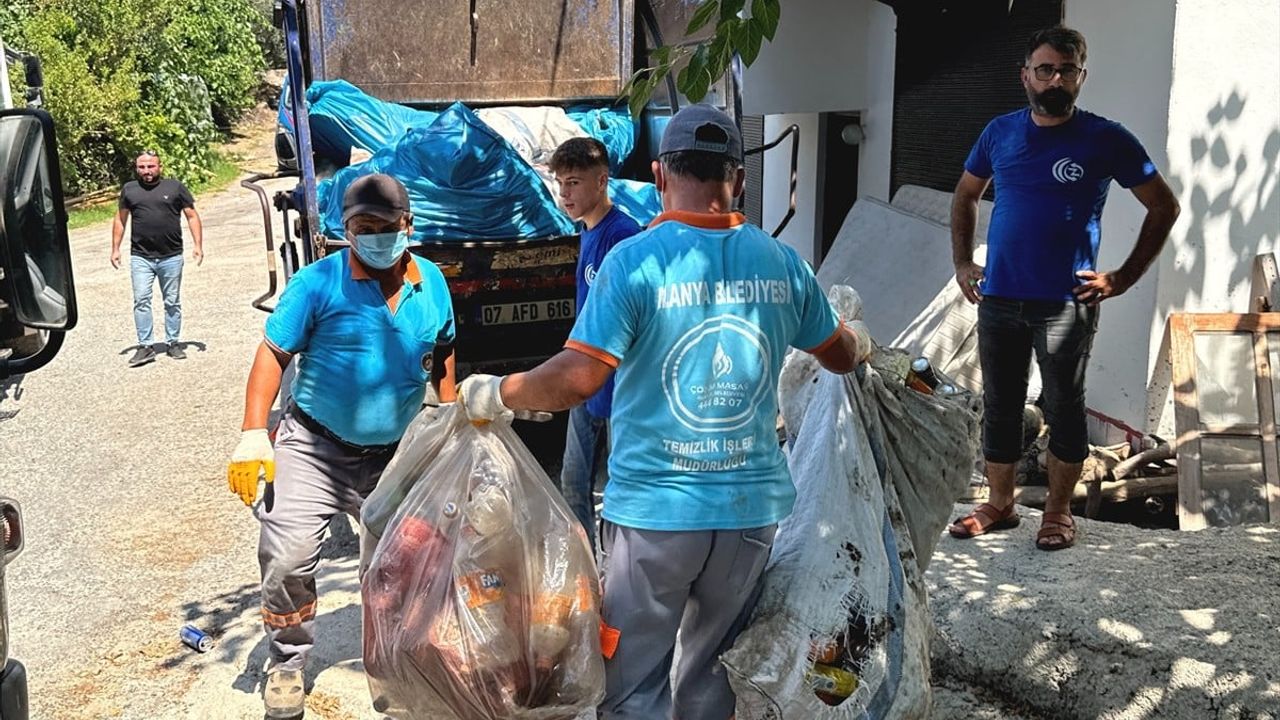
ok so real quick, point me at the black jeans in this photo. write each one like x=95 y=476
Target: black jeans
x=1061 y=334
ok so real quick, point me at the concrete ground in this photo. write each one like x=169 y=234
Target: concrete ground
x=133 y=533
x=1128 y=625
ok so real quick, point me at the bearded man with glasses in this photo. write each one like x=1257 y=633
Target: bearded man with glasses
x=1052 y=164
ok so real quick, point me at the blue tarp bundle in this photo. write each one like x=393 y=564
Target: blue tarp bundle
x=343 y=116
x=465 y=181
x=610 y=126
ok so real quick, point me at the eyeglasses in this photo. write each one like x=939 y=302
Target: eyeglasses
x=1069 y=73
x=149 y=153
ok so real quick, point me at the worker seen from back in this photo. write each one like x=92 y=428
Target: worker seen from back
x=694 y=315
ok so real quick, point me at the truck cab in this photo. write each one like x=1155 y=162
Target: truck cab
x=37 y=296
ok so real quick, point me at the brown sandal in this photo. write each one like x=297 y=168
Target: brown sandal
x=1057 y=532
x=984 y=519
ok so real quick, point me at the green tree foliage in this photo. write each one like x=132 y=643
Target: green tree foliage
x=700 y=64
x=122 y=76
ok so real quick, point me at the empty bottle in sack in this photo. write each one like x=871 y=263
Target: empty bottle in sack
x=838 y=661
x=833 y=685
x=562 y=590
x=488 y=512
x=922 y=377
x=481 y=594
x=411 y=543
x=549 y=629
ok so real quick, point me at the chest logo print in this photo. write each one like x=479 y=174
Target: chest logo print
x=715 y=375
x=589 y=273
x=1067 y=170
x=722 y=364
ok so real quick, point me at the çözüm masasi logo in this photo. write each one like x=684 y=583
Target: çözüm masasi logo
x=716 y=374
x=1067 y=171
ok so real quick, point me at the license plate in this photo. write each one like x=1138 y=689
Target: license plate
x=527 y=312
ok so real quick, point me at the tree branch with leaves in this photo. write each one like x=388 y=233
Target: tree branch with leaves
x=704 y=62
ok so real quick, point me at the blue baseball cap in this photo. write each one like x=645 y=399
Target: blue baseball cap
x=702 y=127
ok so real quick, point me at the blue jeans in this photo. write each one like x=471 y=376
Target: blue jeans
x=586 y=454
x=145 y=272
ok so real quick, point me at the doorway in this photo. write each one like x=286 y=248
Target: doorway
x=839 y=140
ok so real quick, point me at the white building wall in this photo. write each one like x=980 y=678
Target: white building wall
x=875 y=155
x=1223 y=151
x=1130 y=45
x=827 y=57
x=815 y=62
x=777 y=173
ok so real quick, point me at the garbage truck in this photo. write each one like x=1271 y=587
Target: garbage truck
x=37 y=293
x=513 y=294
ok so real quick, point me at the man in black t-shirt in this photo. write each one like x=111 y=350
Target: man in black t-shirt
x=155 y=243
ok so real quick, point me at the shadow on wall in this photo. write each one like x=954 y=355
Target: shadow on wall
x=1209 y=269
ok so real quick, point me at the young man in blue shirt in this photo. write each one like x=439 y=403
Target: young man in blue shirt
x=581 y=169
x=1052 y=164
x=370 y=327
x=695 y=314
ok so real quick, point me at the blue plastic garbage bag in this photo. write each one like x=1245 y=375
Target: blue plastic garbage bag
x=465 y=182
x=342 y=116
x=640 y=200
x=611 y=126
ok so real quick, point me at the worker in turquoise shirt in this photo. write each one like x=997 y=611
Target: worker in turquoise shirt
x=370 y=327
x=695 y=314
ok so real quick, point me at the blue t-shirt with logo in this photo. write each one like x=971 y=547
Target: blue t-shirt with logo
x=612 y=229
x=697 y=313
x=1051 y=184
x=362 y=370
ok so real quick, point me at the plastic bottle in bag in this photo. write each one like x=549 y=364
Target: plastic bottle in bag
x=412 y=543
x=832 y=684
x=549 y=629
x=489 y=512
x=557 y=587
x=481 y=592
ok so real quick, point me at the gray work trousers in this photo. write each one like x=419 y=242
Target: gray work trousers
x=701 y=584
x=316 y=478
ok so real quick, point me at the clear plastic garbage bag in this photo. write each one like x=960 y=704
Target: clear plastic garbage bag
x=481 y=598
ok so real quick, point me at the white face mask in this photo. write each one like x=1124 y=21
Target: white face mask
x=381 y=250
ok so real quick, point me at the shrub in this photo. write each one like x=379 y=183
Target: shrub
x=126 y=75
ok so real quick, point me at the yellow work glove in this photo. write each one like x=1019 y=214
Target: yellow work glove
x=253 y=455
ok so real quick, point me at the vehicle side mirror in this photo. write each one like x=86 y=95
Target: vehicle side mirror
x=34 y=249
x=11 y=530
x=37 y=292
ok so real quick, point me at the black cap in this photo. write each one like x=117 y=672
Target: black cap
x=702 y=127
x=379 y=195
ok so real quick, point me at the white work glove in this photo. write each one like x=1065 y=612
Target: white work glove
x=866 y=346
x=480 y=397
x=253 y=455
